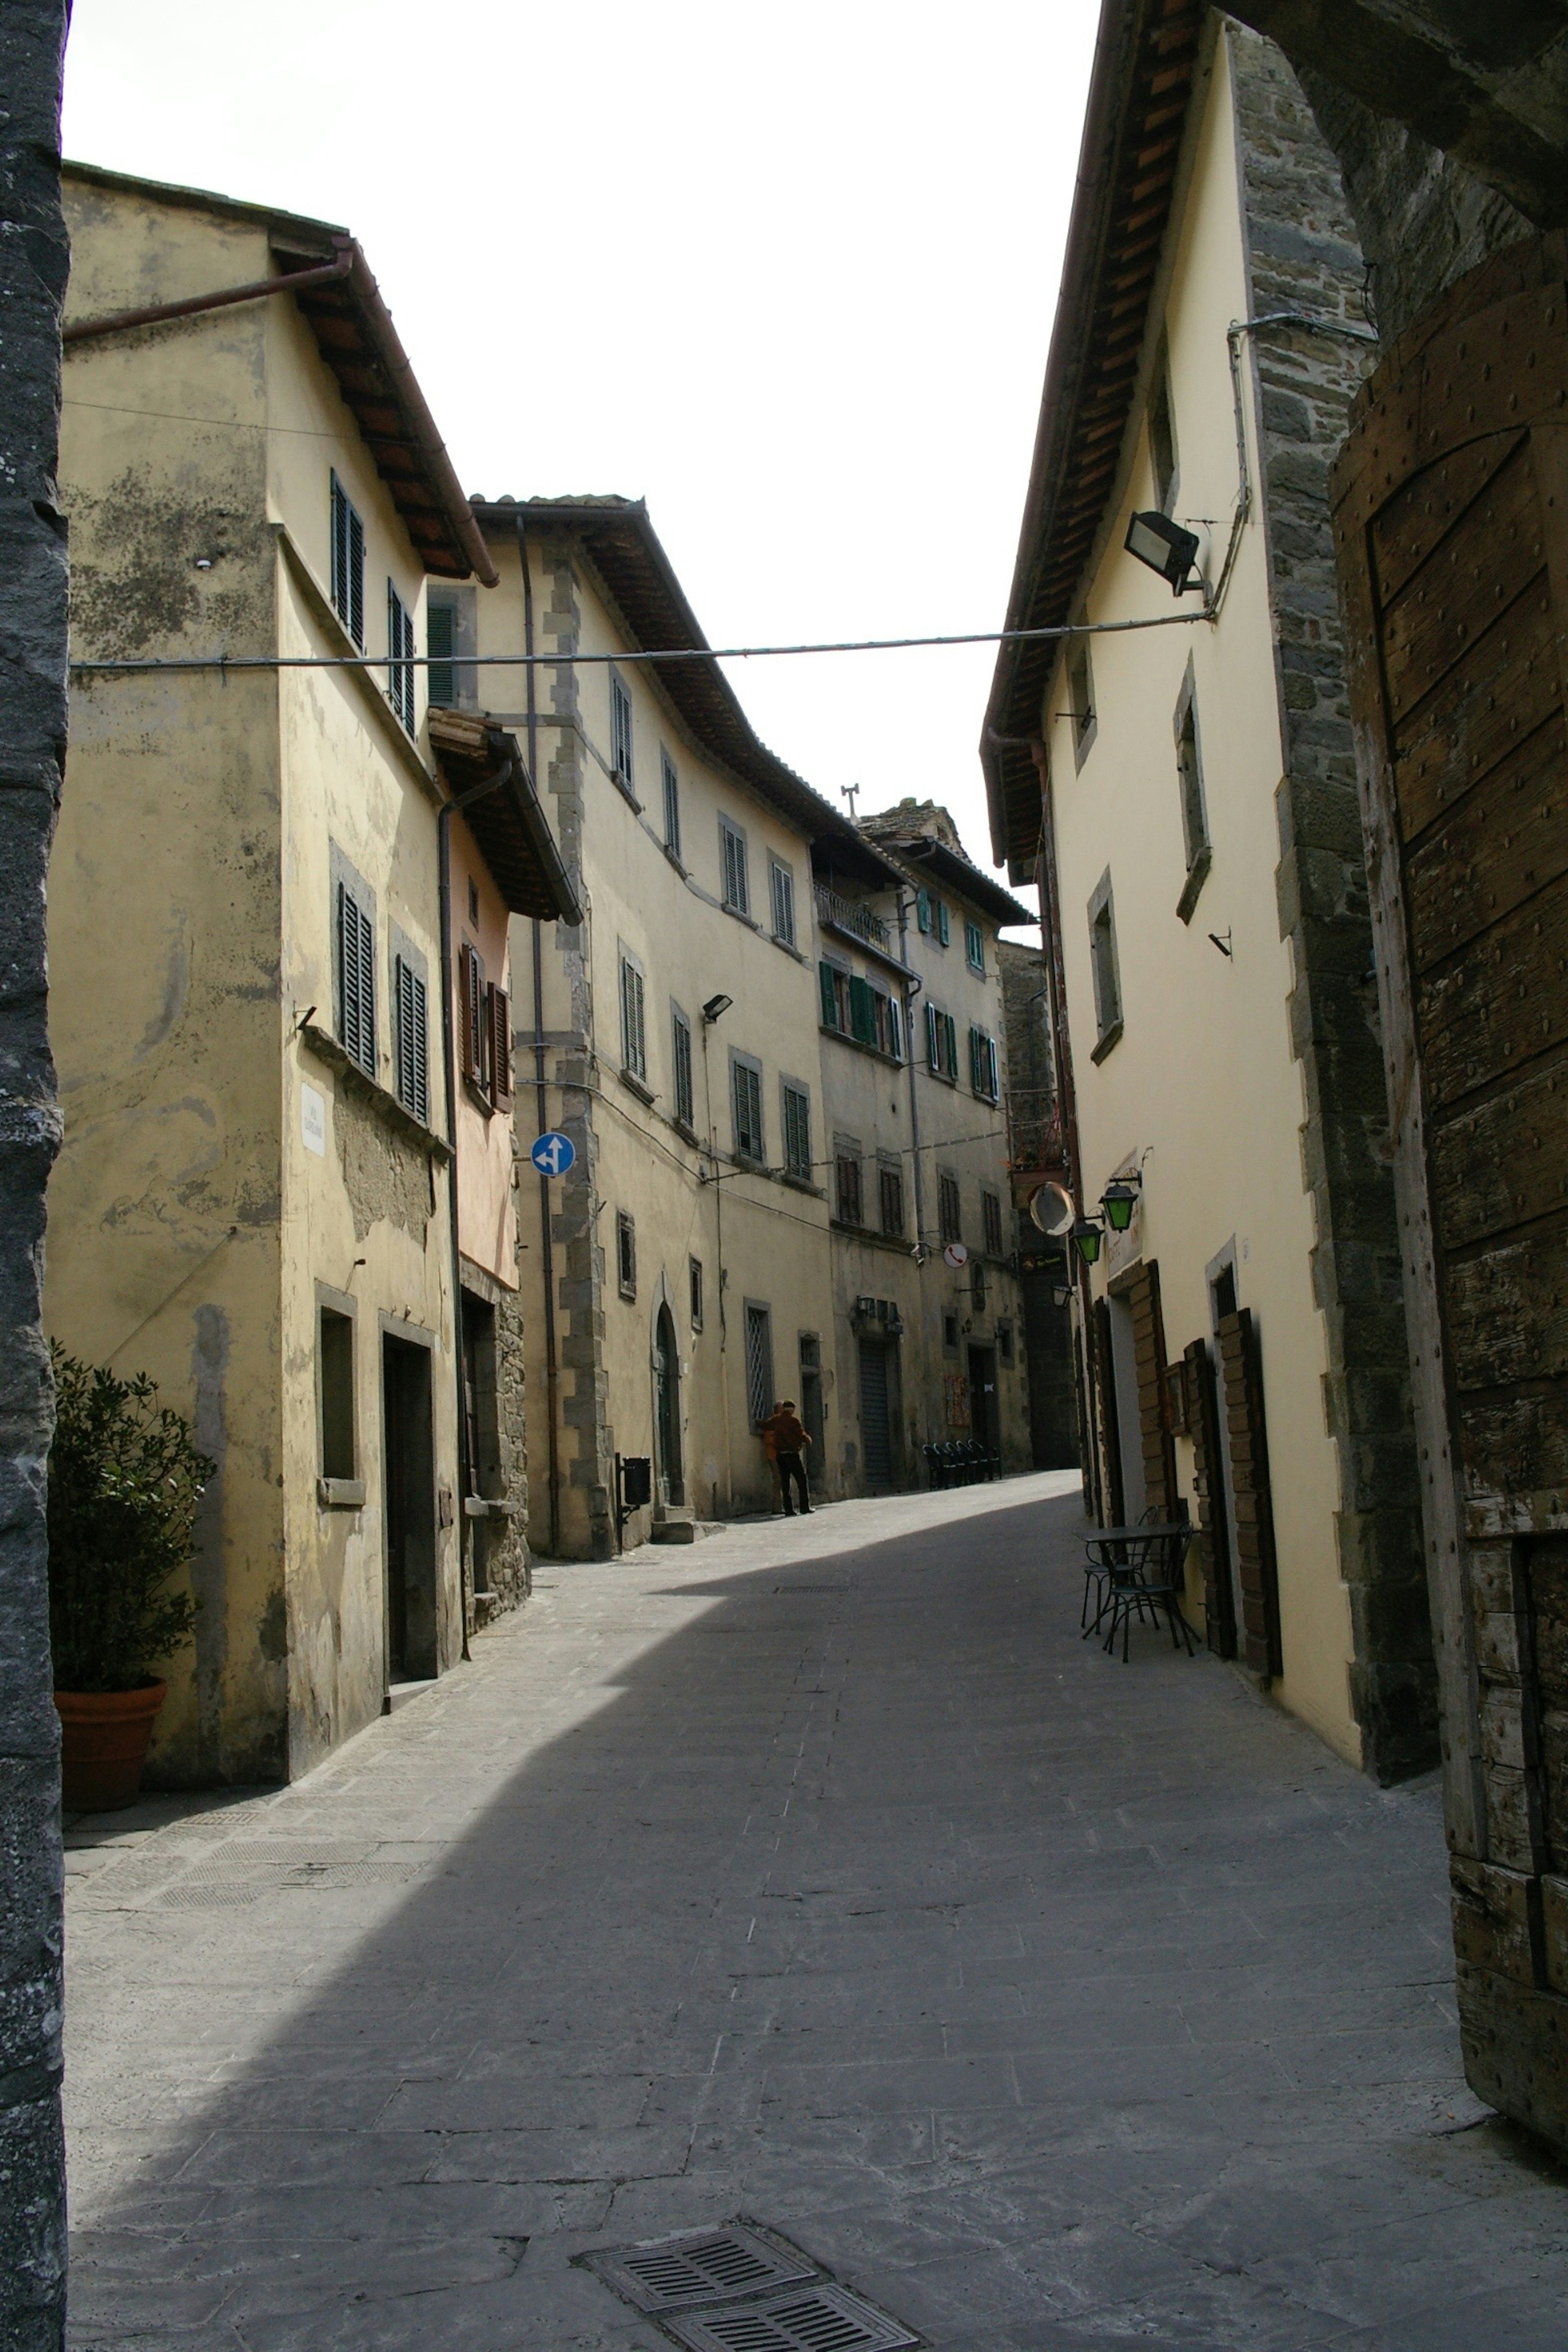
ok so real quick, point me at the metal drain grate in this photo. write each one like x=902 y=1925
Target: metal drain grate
x=676 y=2272
x=811 y=1588
x=802 y=2319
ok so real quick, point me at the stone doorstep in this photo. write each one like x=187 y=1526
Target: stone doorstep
x=400 y=1693
x=672 y=1526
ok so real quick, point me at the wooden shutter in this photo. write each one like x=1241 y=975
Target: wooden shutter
x=862 y=1012
x=1148 y=1368
x=1088 y=1453
x=950 y=1044
x=932 y=1054
x=412 y=1043
x=1103 y=1372
x=1242 y=1370
x=356 y=979
x=944 y=925
x=471 y=991
x=826 y=975
x=1208 y=1477
x=501 y=1048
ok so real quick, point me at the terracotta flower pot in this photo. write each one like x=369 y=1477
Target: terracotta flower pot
x=103 y=1745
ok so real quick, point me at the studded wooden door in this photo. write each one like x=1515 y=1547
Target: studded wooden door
x=1451 y=501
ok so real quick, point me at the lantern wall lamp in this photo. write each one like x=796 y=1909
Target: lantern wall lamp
x=1166 y=547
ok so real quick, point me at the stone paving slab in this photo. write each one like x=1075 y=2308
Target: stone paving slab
x=821 y=1875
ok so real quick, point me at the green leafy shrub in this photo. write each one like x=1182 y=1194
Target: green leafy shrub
x=125 y=1477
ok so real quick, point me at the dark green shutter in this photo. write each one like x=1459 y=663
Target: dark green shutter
x=862 y=1012
x=829 y=996
x=440 y=635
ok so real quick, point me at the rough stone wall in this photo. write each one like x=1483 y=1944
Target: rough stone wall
x=503 y=1579
x=1034 y=1140
x=587 y=1464
x=1422 y=220
x=1303 y=256
x=34 y=261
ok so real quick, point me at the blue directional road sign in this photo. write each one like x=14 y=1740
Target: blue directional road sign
x=553 y=1153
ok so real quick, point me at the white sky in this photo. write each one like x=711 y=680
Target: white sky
x=788 y=272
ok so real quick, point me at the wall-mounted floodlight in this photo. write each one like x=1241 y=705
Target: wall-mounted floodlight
x=716 y=1008
x=1166 y=548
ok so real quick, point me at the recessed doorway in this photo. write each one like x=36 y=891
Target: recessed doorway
x=408 y=1457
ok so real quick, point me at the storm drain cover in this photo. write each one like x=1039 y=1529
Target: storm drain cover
x=802 y=2319
x=704 y=2267
x=811 y=1588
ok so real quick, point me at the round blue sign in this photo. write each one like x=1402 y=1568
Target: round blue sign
x=553 y=1153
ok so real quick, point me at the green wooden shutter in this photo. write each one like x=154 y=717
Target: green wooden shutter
x=944 y=930
x=441 y=644
x=950 y=1044
x=922 y=909
x=829 y=996
x=862 y=1012
x=932 y=1054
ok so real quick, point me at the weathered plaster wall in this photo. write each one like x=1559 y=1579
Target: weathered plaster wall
x=34 y=258
x=1035 y=1140
x=1303 y=257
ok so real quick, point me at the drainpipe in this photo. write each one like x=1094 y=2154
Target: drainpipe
x=911 y=990
x=444 y=816
x=717 y=1182
x=288 y=282
x=546 y=1239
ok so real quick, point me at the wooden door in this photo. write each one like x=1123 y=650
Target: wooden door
x=1208 y=1484
x=1451 y=501
x=1247 y=1439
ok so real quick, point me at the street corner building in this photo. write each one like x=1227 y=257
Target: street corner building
x=280 y=973
x=1187 y=792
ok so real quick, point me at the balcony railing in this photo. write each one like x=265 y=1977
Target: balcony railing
x=849 y=915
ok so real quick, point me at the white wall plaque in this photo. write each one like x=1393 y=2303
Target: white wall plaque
x=313 y=1120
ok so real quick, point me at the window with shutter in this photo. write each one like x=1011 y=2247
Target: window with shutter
x=681 y=1033
x=847 y=1191
x=634 y=1034
x=991 y=1219
x=933 y=1039
x=694 y=1271
x=923 y=910
x=356 y=980
x=625 y=1254
x=949 y=1047
x=832 y=996
x=974 y=946
x=348 y=563
x=620 y=732
x=944 y=924
x=441 y=644
x=949 y=1209
x=399 y=657
x=862 y=1012
x=471 y=994
x=759 y=1363
x=782 y=882
x=671 y=806
x=748 y=1108
x=797 y=1130
x=500 y=1047
x=736 y=882
x=890 y=1200
x=411 y=1048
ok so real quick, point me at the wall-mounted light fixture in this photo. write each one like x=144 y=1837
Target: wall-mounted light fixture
x=1118 y=1199
x=716 y=1008
x=1087 y=1236
x=1166 y=547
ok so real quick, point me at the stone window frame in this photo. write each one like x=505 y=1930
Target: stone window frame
x=1079 y=673
x=623 y=726
x=741 y=860
x=799 y=1171
x=848 y=1181
x=781 y=899
x=750 y=1064
x=694 y=1292
x=633 y=992
x=458 y=689
x=338 y=1488
x=626 y=1253
x=683 y=1095
x=669 y=781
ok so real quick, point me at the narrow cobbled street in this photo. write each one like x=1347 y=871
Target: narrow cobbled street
x=822 y=1876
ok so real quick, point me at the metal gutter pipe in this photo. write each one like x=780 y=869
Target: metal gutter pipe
x=444 y=815
x=546 y=1239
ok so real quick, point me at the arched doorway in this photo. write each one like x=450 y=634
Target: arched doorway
x=667 y=1408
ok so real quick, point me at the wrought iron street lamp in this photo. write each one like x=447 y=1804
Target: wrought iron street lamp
x=1118 y=1199
x=1087 y=1236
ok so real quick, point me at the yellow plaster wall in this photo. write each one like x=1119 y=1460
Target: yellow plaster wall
x=1202 y=1081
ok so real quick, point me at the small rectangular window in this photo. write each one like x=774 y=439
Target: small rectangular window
x=1162 y=437
x=974 y=946
x=400 y=657
x=797 y=1130
x=348 y=564
x=671 y=806
x=759 y=1363
x=943 y=922
x=922 y=911
x=848 y=1198
x=680 y=1043
x=890 y=1025
x=736 y=882
x=991 y=1222
x=941 y=1044
x=633 y=1032
x=949 y=1209
x=748 y=1098
x=694 y=1276
x=890 y=1201
x=620 y=733
x=356 y=980
x=1195 y=811
x=625 y=1254
x=782 y=882
x=834 y=998
x=1005 y=1342
x=411 y=1045
x=335 y=1379
x=977 y=1283
x=949 y=1334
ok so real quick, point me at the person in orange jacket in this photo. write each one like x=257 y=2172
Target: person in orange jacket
x=785 y=1442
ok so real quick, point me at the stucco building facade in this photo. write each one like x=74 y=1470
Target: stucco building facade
x=252 y=972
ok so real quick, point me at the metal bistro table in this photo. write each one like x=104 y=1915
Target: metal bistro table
x=1136 y=1568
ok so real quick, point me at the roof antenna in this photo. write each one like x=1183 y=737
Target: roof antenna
x=849 y=793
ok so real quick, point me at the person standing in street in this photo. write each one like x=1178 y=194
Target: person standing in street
x=787 y=1441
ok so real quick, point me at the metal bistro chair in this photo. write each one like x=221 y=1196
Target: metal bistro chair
x=1110 y=1550
x=1155 y=1584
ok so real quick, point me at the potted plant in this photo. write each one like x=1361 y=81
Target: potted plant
x=125 y=1477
